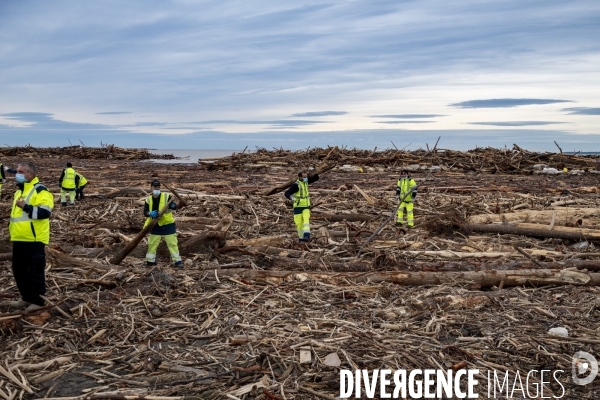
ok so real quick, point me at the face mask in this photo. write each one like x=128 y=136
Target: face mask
x=156 y=192
x=20 y=178
x=304 y=179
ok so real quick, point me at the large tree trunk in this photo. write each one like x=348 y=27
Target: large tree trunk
x=536 y=277
x=536 y=230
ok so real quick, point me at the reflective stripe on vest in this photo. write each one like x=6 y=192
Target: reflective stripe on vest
x=69 y=179
x=302 y=197
x=167 y=217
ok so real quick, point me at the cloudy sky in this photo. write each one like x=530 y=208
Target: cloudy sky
x=226 y=74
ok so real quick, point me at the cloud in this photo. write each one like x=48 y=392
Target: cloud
x=408 y=116
x=277 y=122
x=517 y=123
x=404 y=122
x=319 y=114
x=113 y=112
x=504 y=103
x=582 y=111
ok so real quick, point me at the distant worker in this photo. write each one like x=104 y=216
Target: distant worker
x=298 y=194
x=164 y=228
x=403 y=188
x=81 y=184
x=68 y=182
x=3 y=171
x=29 y=230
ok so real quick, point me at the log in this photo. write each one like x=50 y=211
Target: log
x=540 y=217
x=536 y=277
x=536 y=230
x=117 y=258
x=342 y=217
x=203 y=241
x=324 y=167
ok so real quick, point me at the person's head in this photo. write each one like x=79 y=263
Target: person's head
x=155 y=186
x=26 y=171
x=303 y=176
x=404 y=173
x=69 y=165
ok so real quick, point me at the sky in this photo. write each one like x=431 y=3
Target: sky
x=182 y=74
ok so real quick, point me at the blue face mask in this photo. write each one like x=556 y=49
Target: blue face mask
x=20 y=178
x=304 y=179
x=156 y=192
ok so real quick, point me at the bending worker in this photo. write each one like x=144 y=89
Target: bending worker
x=68 y=182
x=298 y=194
x=403 y=187
x=164 y=228
x=81 y=184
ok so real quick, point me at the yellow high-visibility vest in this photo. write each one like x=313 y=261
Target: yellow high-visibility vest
x=25 y=229
x=167 y=217
x=302 y=198
x=68 y=181
x=82 y=180
x=405 y=185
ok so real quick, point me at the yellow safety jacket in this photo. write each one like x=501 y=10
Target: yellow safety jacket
x=82 y=180
x=68 y=181
x=404 y=186
x=23 y=228
x=167 y=217
x=301 y=197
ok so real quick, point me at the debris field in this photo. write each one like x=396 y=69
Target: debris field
x=504 y=249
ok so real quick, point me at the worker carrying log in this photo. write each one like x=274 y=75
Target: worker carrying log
x=165 y=226
x=82 y=183
x=403 y=187
x=68 y=183
x=299 y=196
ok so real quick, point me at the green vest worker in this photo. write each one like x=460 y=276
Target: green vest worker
x=298 y=194
x=80 y=186
x=164 y=228
x=404 y=185
x=68 y=183
x=29 y=230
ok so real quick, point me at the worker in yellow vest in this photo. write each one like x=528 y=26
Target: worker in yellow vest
x=68 y=182
x=299 y=196
x=81 y=184
x=29 y=230
x=164 y=228
x=403 y=187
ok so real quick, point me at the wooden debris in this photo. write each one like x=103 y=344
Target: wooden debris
x=255 y=314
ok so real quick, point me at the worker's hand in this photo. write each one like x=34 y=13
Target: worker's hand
x=153 y=214
x=172 y=206
x=20 y=203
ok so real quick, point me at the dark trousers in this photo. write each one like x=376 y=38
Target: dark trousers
x=79 y=192
x=28 y=264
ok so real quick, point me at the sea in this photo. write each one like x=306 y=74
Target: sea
x=190 y=156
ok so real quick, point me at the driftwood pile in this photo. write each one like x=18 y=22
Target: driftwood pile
x=106 y=152
x=480 y=160
x=493 y=264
